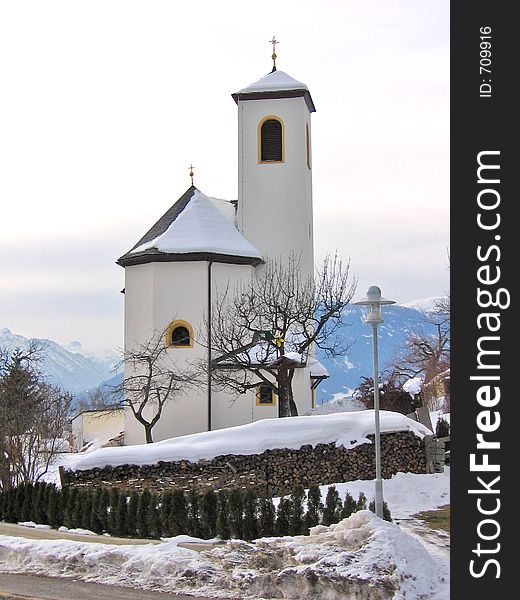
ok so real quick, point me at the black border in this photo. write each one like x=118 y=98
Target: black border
x=479 y=124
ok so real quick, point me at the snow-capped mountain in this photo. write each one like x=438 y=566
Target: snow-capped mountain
x=74 y=368
x=346 y=372
x=82 y=370
x=108 y=358
x=424 y=305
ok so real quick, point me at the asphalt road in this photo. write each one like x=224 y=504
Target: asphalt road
x=33 y=587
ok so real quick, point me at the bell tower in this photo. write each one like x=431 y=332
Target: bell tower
x=275 y=167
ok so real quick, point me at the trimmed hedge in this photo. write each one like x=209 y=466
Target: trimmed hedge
x=236 y=513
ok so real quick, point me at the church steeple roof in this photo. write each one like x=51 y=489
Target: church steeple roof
x=192 y=229
x=276 y=84
x=274 y=81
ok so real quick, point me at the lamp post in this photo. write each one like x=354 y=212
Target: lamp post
x=374 y=300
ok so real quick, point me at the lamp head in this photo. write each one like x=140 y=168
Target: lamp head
x=374 y=300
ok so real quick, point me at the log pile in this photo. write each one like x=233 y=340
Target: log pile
x=276 y=471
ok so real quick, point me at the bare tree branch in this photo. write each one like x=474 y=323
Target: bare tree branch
x=153 y=379
x=278 y=313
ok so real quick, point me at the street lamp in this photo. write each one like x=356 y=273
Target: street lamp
x=375 y=300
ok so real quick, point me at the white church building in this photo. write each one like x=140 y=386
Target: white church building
x=203 y=245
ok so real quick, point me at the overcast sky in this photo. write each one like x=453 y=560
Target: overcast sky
x=105 y=103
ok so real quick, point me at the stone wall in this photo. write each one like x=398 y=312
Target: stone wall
x=277 y=470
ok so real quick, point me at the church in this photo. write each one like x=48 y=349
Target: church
x=203 y=245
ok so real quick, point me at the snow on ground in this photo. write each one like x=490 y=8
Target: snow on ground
x=405 y=493
x=362 y=558
x=344 y=429
x=33 y=525
x=76 y=530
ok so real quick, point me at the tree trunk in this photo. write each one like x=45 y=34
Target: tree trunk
x=293 y=410
x=148 y=433
x=283 y=399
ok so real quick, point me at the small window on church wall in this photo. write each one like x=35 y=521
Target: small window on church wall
x=179 y=334
x=265 y=395
x=180 y=337
x=271 y=140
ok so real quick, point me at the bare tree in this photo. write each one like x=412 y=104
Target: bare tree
x=102 y=398
x=265 y=329
x=424 y=352
x=33 y=418
x=153 y=380
x=427 y=355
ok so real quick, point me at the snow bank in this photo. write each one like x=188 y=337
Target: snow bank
x=77 y=531
x=33 y=525
x=188 y=539
x=360 y=558
x=343 y=429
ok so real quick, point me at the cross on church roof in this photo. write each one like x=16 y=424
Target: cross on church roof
x=191 y=173
x=274 y=57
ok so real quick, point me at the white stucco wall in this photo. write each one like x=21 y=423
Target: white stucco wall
x=180 y=292
x=169 y=291
x=275 y=199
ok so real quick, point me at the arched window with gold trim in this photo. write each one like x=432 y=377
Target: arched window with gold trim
x=179 y=334
x=271 y=140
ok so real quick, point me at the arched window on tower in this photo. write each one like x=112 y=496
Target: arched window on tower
x=270 y=140
x=179 y=334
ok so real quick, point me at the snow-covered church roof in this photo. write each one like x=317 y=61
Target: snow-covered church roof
x=276 y=80
x=196 y=227
x=276 y=84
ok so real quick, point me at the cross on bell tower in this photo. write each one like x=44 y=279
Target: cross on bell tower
x=273 y=56
x=191 y=173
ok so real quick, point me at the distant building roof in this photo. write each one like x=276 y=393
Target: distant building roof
x=194 y=228
x=317 y=369
x=114 y=408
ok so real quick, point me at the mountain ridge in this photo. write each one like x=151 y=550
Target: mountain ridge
x=82 y=370
x=73 y=371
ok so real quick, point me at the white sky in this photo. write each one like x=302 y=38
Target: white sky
x=105 y=103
